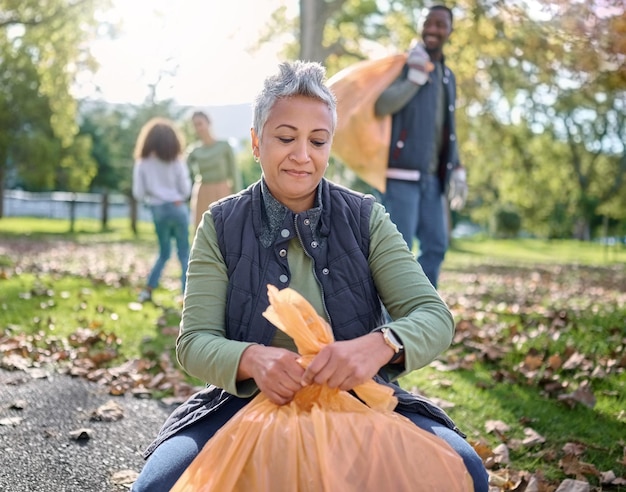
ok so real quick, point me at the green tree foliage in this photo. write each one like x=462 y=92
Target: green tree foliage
x=550 y=92
x=113 y=130
x=110 y=128
x=250 y=169
x=41 y=50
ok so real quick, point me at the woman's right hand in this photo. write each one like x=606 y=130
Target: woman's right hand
x=276 y=371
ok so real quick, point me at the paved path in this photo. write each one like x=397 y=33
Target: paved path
x=37 y=452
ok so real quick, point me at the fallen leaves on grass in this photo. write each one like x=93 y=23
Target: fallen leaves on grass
x=542 y=303
x=501 y=312
x=87 y=353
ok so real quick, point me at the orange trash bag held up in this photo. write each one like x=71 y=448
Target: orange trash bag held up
x=324 y=439
x=361 y=138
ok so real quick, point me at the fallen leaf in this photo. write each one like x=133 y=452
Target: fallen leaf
x=496 y=426
x=532 y=437
x=571 y=465
x=109 y=412
x=501 y=480
x=482 y=449
x=533 y=362
x=574 y=448
x=11 y=421
x=569 y=485
x=581 y=395
x=501 y=454
x=124 y=477
x=82 y=434
x=574 y=361
x=555 y=362
x=607 y=477
x=19 y=405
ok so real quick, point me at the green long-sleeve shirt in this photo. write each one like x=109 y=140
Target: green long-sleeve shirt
x=215 y=163
x=422 y=320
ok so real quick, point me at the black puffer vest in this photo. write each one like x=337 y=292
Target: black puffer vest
x=339 y=249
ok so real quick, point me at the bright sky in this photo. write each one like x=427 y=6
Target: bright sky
x=206 y=43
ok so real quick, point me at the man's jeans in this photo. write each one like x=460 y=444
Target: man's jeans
x=417 y=209
x=171 y=221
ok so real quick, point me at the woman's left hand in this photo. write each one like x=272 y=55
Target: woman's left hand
x=347 y=364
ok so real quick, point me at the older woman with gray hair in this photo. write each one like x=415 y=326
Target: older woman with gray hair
x=337 y=248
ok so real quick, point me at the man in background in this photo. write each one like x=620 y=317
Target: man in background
x=424 y=167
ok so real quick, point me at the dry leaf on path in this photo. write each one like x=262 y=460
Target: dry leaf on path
x=109 y=412
x=82 y=434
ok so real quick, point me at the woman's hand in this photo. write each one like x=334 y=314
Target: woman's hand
x=276 y=371
x=347 y=364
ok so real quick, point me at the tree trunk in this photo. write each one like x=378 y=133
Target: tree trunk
x=313 y=17
x=105 y=211
x=2 y=171
x=73 y=213
x=133 y=215
x=582 y=230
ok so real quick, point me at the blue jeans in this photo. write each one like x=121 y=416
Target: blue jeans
x=173 y=456
x=171 y=221
x=168 y=462
x=417 y=209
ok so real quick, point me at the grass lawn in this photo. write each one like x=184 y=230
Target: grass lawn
x=536 y=375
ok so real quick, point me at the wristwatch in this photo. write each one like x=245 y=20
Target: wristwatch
x=393 y=342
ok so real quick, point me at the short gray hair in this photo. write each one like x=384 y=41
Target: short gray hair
x=294 y=78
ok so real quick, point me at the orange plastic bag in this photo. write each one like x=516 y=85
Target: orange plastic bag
x=361 y=138
x=325 y=439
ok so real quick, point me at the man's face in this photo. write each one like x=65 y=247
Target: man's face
x=436 y=30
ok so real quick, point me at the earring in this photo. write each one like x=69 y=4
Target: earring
x=256 y=158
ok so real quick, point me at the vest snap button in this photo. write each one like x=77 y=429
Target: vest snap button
x=283 y=278
x=282 y=253
x=325 y=271
x=284 y=233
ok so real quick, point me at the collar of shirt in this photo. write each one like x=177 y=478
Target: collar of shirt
x=274 y=214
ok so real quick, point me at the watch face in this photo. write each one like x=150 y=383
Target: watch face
x=392 y=338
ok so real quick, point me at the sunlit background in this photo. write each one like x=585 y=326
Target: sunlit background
x=206 y=51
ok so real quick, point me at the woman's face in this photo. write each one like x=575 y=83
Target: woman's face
x=201 y=125
x=294 y=149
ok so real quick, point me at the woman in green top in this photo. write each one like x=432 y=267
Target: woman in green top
x=212 y=163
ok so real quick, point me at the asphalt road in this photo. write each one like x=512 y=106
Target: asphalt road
x=38 y=414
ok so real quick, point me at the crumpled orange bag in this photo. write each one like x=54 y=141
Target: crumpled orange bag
x=324 y=439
